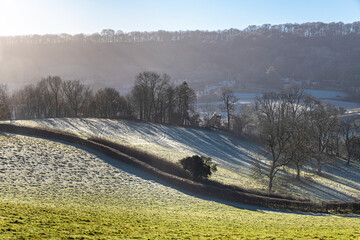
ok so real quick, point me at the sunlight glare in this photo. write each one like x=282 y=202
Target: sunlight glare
x=11 y=17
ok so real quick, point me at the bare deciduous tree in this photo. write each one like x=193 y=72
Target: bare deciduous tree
x=349 y=131
x=275 y=131
x=229 y=99
x=76 y=95
x=185 y=99
x=299 y=107
x=324 y=120
x=54 y=84
x=108 y=103
x=149 y=95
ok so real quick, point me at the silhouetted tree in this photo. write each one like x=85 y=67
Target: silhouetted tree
x=229 y=99
x=200 y=167
x=4 y=103
x=149 y=95
x=76 y=95
x=324 y=120
x=109 y=103
x=54 y=91
x=349 y=131
x=275 y=131
x=185 y=99
x=299 y=107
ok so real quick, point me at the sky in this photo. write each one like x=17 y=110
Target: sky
x=23 y=17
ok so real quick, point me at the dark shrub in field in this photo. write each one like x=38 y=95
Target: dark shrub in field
x=200 y=167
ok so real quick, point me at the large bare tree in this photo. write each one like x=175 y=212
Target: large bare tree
x=349 y=131
x=275 y=131
x=324 y=122
x=54 y=85
x=285 y=129
x=299 y=107
x=149 y=94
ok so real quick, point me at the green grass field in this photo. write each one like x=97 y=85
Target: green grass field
x=180 y=221
x=85 y=195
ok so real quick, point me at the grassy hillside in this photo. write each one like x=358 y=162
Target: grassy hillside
x=53 y=190
x=234 y=156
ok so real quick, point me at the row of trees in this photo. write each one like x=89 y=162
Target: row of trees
x=297 y=129
x=307 y=30
x=153 y=98
x=157 y=100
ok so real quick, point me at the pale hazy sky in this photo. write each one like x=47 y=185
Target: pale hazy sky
x=19 y=17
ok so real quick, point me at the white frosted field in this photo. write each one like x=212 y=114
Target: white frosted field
x=337 y=98
x=35 y=169
x=327 y=94
x=53 y=190
x=234 y=156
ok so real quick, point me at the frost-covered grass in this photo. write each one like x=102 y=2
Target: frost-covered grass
x=172 y=143
x=54 y=190
x=234 y=156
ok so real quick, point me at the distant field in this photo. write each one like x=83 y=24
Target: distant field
x=49 y=189
x=334 y=97
x=234 y=156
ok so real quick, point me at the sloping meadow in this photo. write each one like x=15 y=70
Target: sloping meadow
x=52 y=189
x=235 y=157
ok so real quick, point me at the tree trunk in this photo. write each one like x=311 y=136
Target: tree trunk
x=298 y=171
x=270 y=184
x=319 y=166
x=348 y=160
x=228 y=123
x=271 y=178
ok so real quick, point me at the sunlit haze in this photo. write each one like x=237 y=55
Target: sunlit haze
x=21 y=17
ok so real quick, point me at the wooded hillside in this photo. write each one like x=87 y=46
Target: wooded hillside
x=315 y=53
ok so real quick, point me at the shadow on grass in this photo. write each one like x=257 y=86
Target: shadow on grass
x=132 y=170
x=348 y=175
x=228 y=151
x=321 y=191
x=139 y=173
